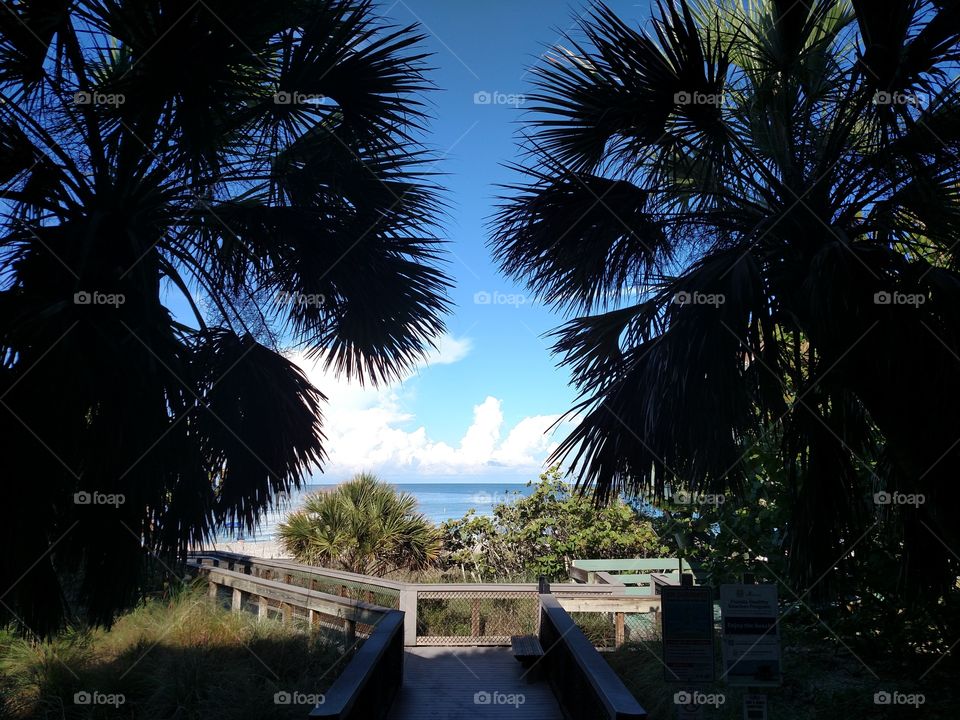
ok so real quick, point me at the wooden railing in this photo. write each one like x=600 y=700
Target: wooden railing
x=633 y=574
x=517 y=602
x=620 y=607
x=366 y=686
x=584 y=684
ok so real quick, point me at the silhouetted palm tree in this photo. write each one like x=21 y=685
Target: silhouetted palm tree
x=250 y=165
x=363 y=525
x=753 y=210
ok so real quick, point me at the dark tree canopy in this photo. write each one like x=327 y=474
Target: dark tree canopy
x=254 y=161
x=752 y=212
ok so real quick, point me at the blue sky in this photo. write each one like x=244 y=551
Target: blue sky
x=481 y=406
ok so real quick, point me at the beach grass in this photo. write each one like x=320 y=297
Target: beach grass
x=182 y=657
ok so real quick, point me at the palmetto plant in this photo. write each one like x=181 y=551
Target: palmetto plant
x=185 y=188
x=363 y=525
x=752 y=209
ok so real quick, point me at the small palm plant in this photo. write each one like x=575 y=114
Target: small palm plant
x=364 y=526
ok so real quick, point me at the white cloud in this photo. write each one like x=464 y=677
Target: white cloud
x=450 y=350
x=365 y=429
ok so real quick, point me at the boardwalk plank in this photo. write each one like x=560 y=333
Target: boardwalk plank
x=442 y=683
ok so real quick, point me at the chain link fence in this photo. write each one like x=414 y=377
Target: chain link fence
x=475 y=618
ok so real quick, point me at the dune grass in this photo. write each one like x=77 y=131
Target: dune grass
x=179 y=658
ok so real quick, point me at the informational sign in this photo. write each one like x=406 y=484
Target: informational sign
x=751 y=635
x=754 y=707
x=687 y=619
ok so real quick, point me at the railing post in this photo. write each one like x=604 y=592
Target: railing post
x=408 y=605
x=236 y=603
x=262 y=608
x=350 y=631
x=619 y=632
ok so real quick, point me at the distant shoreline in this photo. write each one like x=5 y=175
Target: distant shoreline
x=266 y=548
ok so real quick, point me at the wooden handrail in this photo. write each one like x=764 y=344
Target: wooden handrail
x=583 y=682
x=367 y=685
x=305 y=598
x=375 y=583
x=349 y=579
x=621 y=604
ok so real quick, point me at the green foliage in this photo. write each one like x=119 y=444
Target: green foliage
x=748 y=533
x=363 y=525
x=540 y=533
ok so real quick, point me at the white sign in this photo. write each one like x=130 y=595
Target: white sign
x=751 y=635
x=754 y=707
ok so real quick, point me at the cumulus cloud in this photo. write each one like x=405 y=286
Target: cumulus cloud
x=369 y=429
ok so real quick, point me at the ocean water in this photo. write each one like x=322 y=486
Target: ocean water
x=436 y=501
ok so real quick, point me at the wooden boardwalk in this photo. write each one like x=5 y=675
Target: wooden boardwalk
x=450 y=683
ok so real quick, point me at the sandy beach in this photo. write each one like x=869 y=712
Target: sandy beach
x=254 y=548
